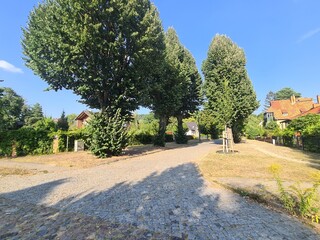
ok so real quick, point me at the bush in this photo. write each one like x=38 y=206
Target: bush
x=107 y=135
x=70 y=136
x=26 y=141
x=169 y=137
x=140 y=137
x=303 y=202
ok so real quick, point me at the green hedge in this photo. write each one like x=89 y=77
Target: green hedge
x=69 y=137
x=26 y=141
x=311 y=143
x=138 y=138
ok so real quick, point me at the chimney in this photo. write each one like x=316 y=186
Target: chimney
x=293 y=99
x=318 y=98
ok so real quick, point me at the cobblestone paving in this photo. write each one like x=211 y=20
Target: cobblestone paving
x=20 y=220
x=162 y=192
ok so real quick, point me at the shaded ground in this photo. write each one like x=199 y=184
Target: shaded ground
x=20 y=220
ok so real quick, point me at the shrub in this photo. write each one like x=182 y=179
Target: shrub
x=140 y=137
x=107 y=135
x=70 y=137
x=169 y=137
x=303 y=202
x=26 y=141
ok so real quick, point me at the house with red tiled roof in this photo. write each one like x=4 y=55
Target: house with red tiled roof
x=283 y=111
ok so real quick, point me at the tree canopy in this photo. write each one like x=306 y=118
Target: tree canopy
x=101 y=50
x=229 y=92
x=165 y=92
x=11 y=105
x=32 y=114
x=270 y=97
x=286 y=93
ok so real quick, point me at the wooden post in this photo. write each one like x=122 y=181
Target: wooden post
x=67 y=147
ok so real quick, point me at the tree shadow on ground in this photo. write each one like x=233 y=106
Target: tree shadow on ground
x=176 y=202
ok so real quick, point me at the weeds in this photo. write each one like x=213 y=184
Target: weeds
x=298 y=200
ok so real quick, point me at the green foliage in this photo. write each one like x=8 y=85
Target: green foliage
x=285 y=197
x=160 y=139
x=27 y=140
x=32 y=114
x=71 y=121
x=304 y=123
x=104 y=51
x=63 y=122
x=180 y=135
x=11 y=105
x=142 y=129
x=271 y=125
x=303 y=202
x=208 y=124
x=229 y=92
x=140 y=137
x=286 y=93
x=67 y=138
x=253 y=126
x=166 y=86
x=270 y=97
x=107 y=135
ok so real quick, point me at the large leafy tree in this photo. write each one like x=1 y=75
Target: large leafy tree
x=104 y=51
x=190 y=82
x=229 y=92
x=165 y=91
x=11 y=105
x=286 y=93
x=101 y=50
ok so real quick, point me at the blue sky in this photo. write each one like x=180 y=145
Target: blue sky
x=281 y=40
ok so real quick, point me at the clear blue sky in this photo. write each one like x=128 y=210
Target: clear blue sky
x=281 y=40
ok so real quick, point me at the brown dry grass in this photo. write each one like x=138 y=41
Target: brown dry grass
x=252 y=163
x=5 y=171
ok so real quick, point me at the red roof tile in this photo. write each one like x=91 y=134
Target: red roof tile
x=288 y=109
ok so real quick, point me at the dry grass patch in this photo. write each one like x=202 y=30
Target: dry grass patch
x=71 y=159
x=252 y=163
x=5 y=171
x=85 y=159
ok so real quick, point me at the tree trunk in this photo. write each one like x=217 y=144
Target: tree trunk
x=180 y=136
x=180 y=122
x=160 y=138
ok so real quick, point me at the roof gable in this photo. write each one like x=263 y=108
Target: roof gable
x=289 y=108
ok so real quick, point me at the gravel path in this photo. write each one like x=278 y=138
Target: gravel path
x=162 y=192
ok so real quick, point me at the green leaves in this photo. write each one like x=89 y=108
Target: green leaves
x=228 y=89
x=286 y=93
x=11 y=105
x=101 y=50
x=107 y=135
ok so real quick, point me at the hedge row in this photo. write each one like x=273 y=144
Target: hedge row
x=28 y=141
x=25 y=141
